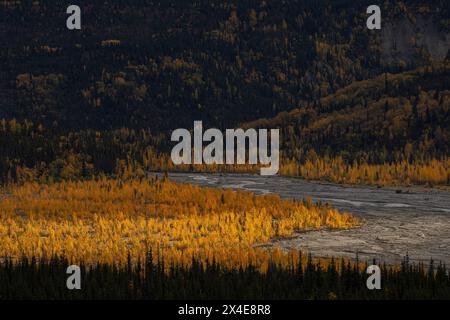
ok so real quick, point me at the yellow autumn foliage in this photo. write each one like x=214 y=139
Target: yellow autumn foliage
x=106 y=220
x=433 y=172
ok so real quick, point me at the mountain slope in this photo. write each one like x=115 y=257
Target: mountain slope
x=164 y=64
x=392 y=117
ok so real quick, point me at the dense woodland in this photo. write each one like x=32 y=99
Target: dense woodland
x=152 y=279
x=389 y=118
x=105 y=99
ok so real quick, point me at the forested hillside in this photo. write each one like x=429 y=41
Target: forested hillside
x=104 y=99
x=392 y=117
x=398 y=123
x=142 y=63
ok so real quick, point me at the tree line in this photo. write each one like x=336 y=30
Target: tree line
x=35 y=278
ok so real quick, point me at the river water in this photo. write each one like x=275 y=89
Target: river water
x=415 y=221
